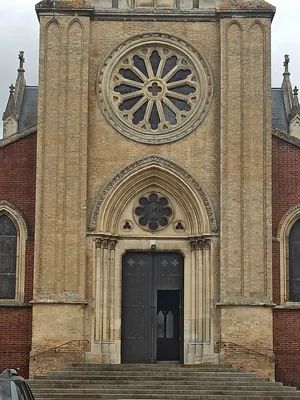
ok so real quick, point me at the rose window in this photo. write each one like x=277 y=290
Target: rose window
x=153 y=211
x=155 y=91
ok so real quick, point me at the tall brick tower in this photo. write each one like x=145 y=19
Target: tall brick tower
x=153 y=235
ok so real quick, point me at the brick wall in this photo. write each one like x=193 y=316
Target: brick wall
x=17 y=186
x=286 y=193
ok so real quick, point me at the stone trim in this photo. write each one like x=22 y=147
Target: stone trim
x=50 y=301
x=17 y=136
x=288 y=306
x=286 y=137
x=147 y=161
x=245 y=304
x=287 y=221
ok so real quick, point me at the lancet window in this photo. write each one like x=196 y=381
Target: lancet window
x=293 y=276
x=13 y=236
x=8 y=258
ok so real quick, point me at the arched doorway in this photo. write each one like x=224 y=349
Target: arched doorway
x=153 y=212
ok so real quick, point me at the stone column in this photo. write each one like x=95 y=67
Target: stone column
x=201 y=345
x=103 y=348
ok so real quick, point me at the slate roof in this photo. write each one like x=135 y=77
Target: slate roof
x=29 y=109
x=279 y=117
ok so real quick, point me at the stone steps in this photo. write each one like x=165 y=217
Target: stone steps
x=145 y=385
x=158 y=381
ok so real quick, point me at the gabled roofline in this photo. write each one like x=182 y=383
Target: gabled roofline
x=18 y=135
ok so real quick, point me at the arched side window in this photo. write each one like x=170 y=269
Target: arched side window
x=293 y=276
x=13 y=235
x=8 y=258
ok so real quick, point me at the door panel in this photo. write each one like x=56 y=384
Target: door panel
x=136 y=308
x=170 y=271
x=152 y=287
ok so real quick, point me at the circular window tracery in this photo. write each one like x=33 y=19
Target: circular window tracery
x=155 y=88
x=153 y=211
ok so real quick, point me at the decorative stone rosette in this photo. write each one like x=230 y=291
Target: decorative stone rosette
x=155 y=88
x=153 y=212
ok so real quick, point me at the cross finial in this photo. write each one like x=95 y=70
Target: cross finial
x=296 y=91
x=286 y=63
x=11 y=89
x=22 y=61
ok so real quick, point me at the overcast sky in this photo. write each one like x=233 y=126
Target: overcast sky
x=19 y=30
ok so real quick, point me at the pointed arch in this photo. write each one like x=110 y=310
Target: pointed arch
x=15 y=214
x=164 y=174
x=290 y=218
x=235 y=22
x=257 y=22
x=18 y=261
x=73 y=22
x=53 y=21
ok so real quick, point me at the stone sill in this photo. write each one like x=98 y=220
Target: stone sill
x=15 y=305
x=288 y=306
x=245 y=304
x=60 y=301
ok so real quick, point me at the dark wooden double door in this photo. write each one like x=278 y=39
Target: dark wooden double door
x=152 y=309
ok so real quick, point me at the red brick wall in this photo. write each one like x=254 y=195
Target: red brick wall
x=17 y=186
x=286 y=193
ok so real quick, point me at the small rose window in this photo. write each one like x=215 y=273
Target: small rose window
x=153 y=211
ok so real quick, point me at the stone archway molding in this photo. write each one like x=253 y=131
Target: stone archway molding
x=12 y=211
x=160 y=171
x=287 y=221
x=283 y=232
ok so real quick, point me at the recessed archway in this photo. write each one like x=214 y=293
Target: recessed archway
x=197 y=244
x=143 y=174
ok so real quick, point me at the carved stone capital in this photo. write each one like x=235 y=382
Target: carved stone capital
x=106 y=243
x=112 y=244
x=200 y=244
x=98 y=243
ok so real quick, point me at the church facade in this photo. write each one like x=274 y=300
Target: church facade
x=136 y=211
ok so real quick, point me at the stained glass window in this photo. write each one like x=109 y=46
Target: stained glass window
x=294 y=262
x=8 y=258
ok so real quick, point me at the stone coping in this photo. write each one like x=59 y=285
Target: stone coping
x=228 y=9
x=19 y=135
x=286 y=136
